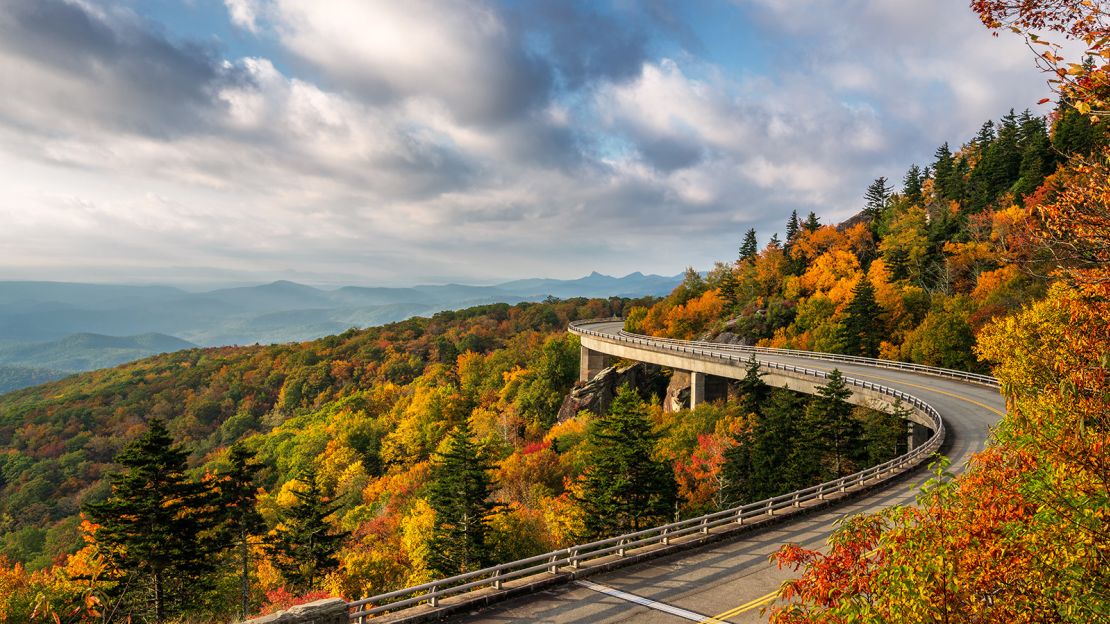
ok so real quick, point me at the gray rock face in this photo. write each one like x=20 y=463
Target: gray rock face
x=596 y=395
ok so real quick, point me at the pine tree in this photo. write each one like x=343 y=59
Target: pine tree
x=625 y=488
x=773 y=437
x=862 y=329
x=728 y=286
x=459 y=493
x=774 y=243
x=792 y=228
x=812 y=222
x=304 y=544
x=152 y=527
x=912 y=184
x=877 y=198
x=831 y=415
x=736 y=471
x=749 y=247
x=943 y=169
x=241 y=521
x=753 y=391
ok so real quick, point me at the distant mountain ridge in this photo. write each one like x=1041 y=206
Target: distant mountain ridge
x=63 y=327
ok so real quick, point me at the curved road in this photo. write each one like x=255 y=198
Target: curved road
x=729 y=581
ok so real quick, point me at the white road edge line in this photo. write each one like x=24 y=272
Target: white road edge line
x=640 y=600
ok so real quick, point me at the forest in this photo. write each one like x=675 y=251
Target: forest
x=275 y=475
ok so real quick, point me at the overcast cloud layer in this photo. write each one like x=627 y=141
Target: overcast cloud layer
x=385 y=142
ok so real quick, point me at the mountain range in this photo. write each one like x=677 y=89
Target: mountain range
x=50 y=329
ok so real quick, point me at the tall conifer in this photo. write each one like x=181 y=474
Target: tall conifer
x=459 y=493
x=241 y=521
x=153 y=526
x=862 y=329
x=625 y=488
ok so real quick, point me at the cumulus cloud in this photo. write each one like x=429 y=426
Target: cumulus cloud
x=434 y=140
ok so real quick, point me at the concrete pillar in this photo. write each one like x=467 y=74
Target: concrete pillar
x=591 y=363
x=909 y=436
x=697 y=389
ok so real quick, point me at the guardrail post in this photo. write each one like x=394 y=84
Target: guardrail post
x=554 y=569
x=821 y=492
x=574 y=559
x=740 y=516
x=705 y=526
x=433 y=599
x=770 y=508
x=797 y=502
x=620 y=551
x=665 y=540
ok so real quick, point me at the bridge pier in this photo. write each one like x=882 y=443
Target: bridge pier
x=916 y=435
x=590 y=363
x=697 y=389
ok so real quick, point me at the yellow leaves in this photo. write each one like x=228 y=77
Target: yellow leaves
x=416 y=539
x=833 y=274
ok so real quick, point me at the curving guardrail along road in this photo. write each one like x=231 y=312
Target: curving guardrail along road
x=652 y=575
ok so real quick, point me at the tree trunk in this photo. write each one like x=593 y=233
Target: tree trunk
x=159 y=607
x=244 y=580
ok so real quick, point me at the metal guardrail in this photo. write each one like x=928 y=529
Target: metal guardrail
x=573 y=557
x=947 y=373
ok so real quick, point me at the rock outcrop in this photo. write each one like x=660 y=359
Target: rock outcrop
x=597 y=394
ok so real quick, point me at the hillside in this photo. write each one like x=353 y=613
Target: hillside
x=82 y=352
x=16 y=377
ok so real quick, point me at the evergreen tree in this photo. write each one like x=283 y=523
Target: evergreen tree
x=883 y=434
x=985 y=136
x=241 y=521
x=812 y=222
x=625 y=488
x=728 y=286
x=943 y=170
x=749 y=247
x=459 y=493
x=792 y=228
x=303 y=545
x=912 y=184
x=773 y=437
x=152 y=527
x=830 y=415
x=774 y=243
x=1073 y=133
x=877 y=198
x=753 y=391
x=736 y=471
x=862 y=330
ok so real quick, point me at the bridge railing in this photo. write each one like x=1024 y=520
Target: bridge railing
x=948 y=373
x=575 y=557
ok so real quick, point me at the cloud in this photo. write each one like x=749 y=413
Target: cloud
x=243 y=13
x=396 y=142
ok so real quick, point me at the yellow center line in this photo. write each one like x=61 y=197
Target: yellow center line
x=930 y=389
x=747 y=606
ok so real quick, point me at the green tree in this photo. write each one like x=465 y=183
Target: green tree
x=749 y=247
x=882 y=433
x=912 y=184
x=812 y=222
x=736 y=471
x=152 y=527
x=876 y=200
x=830 y=416
x=753 y=391
x=625 y=488
x=774 y=436
x=943 y=171
x=241 y=522
x=303 y=546
x=792 y=228
x=862 y=328
x=459 y=492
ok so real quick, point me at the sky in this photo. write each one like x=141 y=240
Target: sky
x=433 y=141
